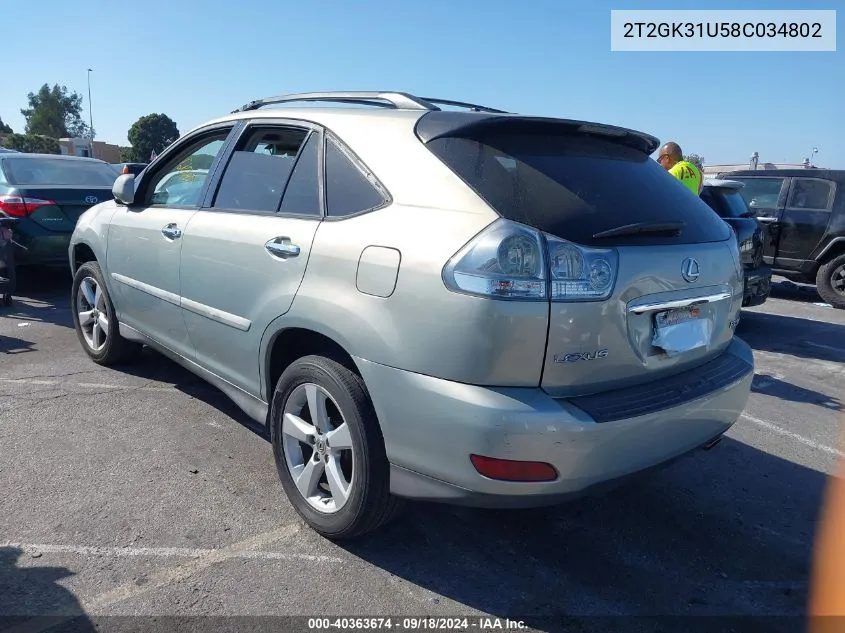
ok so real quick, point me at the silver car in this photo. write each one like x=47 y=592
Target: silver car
x=427 y=300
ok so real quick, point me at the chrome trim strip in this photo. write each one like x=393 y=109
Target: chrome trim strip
x=232 y=320
x=164 y=295
x=226 y=318
x=678 y=303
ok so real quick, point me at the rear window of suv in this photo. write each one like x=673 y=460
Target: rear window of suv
x=575 y=186
x=727 y=202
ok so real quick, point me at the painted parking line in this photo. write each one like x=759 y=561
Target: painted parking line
x=794 y=436
x=86 y=385
x=157 y=579
x=160 y=552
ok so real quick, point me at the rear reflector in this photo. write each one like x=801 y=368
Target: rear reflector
x=510 y=470
x=19 y=207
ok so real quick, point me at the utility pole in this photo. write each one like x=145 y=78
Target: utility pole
x=90 y=112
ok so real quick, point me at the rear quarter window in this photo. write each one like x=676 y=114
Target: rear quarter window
x=575 y=186
x=348 y=189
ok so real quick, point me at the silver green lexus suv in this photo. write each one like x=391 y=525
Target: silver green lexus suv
x=425 y=299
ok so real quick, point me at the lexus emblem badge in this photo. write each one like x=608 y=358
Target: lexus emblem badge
x=91 y=199
x=690 y=270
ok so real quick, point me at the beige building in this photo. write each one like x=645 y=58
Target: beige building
x=755 y=163
x=91 y=149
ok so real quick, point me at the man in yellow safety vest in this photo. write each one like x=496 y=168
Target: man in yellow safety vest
x=672 y=160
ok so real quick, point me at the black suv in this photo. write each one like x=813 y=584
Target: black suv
x=804 y=214
x=723 y=196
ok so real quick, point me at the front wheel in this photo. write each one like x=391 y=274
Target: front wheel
x=830 y=282
x=95 y=320
x=329 y=450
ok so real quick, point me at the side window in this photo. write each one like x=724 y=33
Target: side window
x=259 y=168
x=712 y=201
x=181 y=180
x=348 y=189
x=302 y=195
x=809 y=194
x=760 y=193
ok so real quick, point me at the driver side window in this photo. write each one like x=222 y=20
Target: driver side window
x=180 y=182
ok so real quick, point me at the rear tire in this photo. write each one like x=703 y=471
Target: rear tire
x=95 y=321
x=830 y=281
x=337 y=477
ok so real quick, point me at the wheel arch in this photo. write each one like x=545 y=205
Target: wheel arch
x=82 y=253
x=284 y=342
x=832 y=249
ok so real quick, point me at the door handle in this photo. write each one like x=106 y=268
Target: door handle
x=282 y=248
x=171 y=231
x=765 y=220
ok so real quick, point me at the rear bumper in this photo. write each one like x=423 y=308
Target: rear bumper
x=431 y=426
x=758 y=286
x=48 y=250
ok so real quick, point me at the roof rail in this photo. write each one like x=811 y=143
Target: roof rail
x=397 y=100
x=463 y=104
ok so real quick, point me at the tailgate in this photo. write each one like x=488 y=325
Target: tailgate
x=655 y=324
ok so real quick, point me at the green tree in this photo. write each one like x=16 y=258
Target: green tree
x=54 y=112
x=32 y=143
x=696 y=160
x=201 y=161
x=5 y=128
x=127 y=155
x=151 y=133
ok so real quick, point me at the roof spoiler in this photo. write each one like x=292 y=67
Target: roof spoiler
x=435 y=125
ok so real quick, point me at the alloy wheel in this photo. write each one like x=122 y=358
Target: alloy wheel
x=93 y=317
x=837 y=280
x=318 y=448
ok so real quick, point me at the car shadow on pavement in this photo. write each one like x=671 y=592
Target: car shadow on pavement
x=42 y=296
x=14 y=345
x=31 y=598
x=785 y=289
x=795 y=336
x=769 y=385
x=725 y=532
x=158 y=368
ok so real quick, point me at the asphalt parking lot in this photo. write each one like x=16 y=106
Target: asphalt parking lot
x=142 y=491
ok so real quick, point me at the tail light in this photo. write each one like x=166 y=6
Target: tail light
x=512 y=261
x=20 y=207
x=125 y=169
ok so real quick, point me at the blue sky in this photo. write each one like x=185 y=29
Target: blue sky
x=194 y=62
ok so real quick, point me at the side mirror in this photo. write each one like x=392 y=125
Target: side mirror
x=123 y=189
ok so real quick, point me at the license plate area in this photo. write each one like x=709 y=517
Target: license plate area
x=668 y=318
x=681 y=330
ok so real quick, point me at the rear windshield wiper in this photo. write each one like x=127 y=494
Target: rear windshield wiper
x=643 y=228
